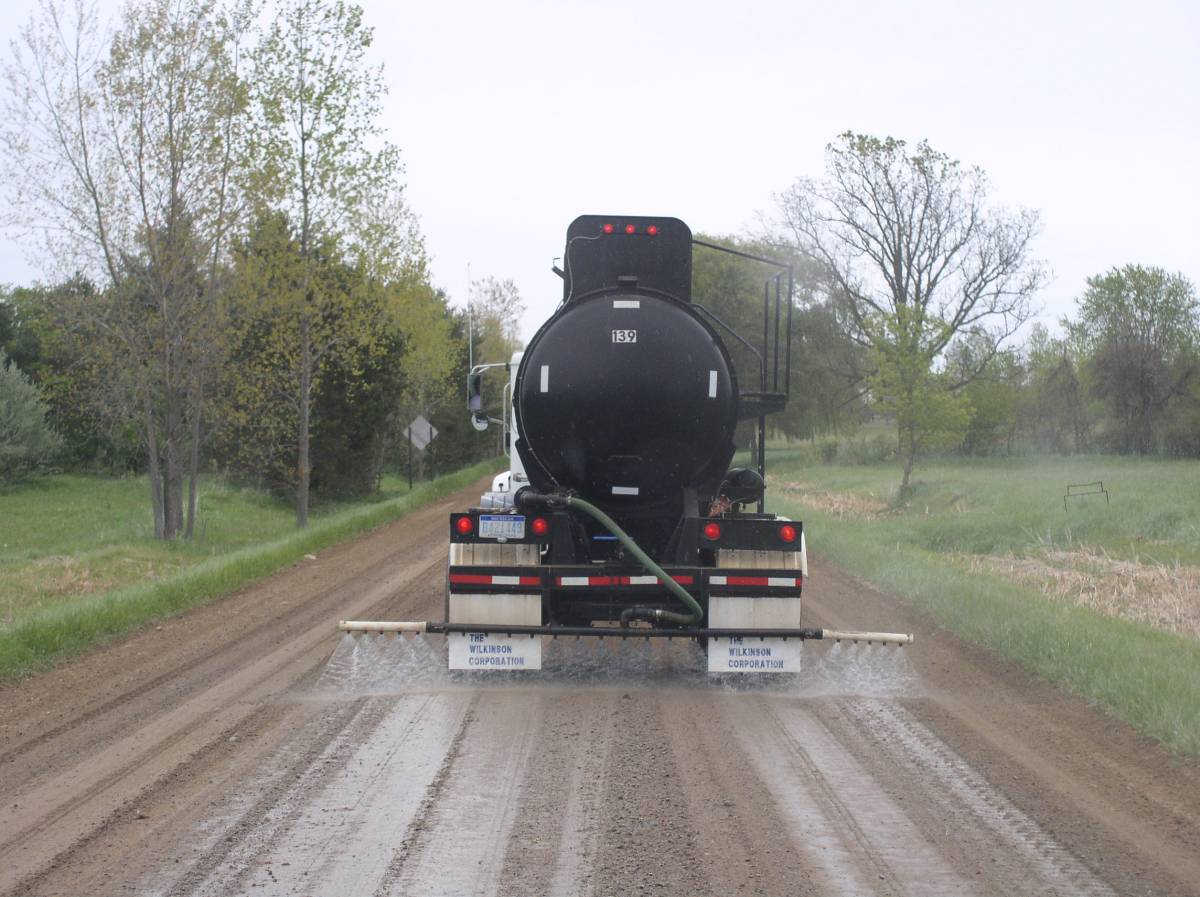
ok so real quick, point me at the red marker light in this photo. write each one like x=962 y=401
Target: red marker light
x=464 y=525
x=540 y=526
x=608 y=228
x=787 y=533
x=712 y=531
x=652 y=229
x=630 y=229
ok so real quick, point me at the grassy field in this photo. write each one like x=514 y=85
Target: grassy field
x=1102 y=598
x=78 y=562
x=73 y=535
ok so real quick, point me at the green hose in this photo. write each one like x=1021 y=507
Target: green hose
x=697 y=612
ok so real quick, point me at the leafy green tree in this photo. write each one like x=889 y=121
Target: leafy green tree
x=120 y=149
x=993 y=395
x=319 y=156
x=73 y=376
x=930 y=414
x=827 y=367
x=1053 y=408
x=26 y=439
x=913 y=254
x=1139 y=327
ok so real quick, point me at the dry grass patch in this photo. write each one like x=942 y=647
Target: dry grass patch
x=842 y=505
x=1165 y=596
x=49 y=580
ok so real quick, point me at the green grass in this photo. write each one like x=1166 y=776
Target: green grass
x=251 y=538
x=70 y=535
x=1146 y=676
x=996 y=506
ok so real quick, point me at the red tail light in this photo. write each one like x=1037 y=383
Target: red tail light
x=464 y=525
x=540 y=526
x=787 y=533
x=712 y=531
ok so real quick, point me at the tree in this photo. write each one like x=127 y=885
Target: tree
x=120 y=152
x=993 y=396
x=496 y=309
x=826 y=393
x=1053 y=408
x=26 y=439
x=1140 y=328
x=319 y=158
x=915 y=258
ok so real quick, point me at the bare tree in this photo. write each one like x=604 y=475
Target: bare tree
x=120 y=149
x=916 y=259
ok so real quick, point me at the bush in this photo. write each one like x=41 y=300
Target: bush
x=26 y=440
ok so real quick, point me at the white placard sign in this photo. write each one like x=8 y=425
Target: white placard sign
x=420 y=432
x=491 y=651
x=743 y=654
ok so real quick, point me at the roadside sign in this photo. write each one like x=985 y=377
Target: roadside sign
x=420 y=432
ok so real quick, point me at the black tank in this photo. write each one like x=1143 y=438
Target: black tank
x=625 y=395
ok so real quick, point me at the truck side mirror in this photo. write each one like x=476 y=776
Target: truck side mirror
x=479 y=419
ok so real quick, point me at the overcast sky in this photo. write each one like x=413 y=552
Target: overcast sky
x=516 y=116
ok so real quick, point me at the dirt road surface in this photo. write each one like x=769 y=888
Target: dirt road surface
x=248 y=748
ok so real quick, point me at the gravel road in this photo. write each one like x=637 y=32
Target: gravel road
x=248 y=748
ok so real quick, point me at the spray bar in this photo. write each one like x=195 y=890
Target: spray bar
x=625 y=632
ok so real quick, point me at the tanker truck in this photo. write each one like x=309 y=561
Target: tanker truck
x=622 y=514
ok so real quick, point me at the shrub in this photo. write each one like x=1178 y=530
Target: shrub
x=26 y=440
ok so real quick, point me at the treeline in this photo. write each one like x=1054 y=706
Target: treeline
x=914 y=304
x=1122 y=375
x=241 y=283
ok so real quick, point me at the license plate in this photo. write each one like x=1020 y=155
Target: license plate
x=501 y=526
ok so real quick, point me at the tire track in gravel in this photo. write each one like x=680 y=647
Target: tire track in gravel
x=648 y=840
x=851 y=831
x=1114 y=800
x=60 y=807
x=744 y=843
x=1007 y=847
x=456 y=844
x=54 y=807
x=552 y=846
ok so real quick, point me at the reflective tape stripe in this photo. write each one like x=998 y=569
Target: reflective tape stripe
x=624 y=490
x=545 y=378
x=768 y=582
x=619 y=580
x=484 y=579
x=712 y=384
x=627 y=303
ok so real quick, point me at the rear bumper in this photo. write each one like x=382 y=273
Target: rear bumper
x=589 y=582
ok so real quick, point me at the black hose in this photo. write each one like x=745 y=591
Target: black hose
x=652 y=614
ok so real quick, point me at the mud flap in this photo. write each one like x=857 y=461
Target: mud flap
x=494 y=651
x=748 y=654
